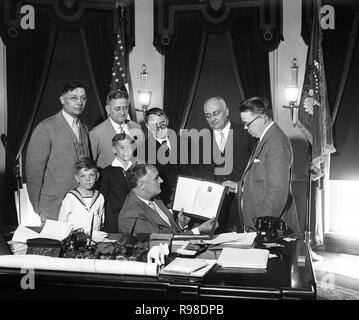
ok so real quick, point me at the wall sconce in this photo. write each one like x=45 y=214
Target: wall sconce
x=144 y=95
x=291 y=93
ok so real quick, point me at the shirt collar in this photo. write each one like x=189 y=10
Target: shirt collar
x=117 y=126
x=144 y=200
x=225 y=130
x=69 y=119
x=265 y=130
x=118 y=163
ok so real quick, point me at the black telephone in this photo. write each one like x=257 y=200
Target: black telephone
x=269 y=228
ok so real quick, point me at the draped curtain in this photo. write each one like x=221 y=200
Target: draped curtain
x=182 y=67
x=27 y=62
x=99 y=44
x=340 y=53
x=252 y=59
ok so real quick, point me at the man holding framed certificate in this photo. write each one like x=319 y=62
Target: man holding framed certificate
x=143 y=212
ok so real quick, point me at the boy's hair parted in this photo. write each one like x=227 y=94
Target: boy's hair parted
x=85 y=163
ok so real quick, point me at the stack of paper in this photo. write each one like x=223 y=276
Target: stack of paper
x=188 y=267
x=243 y=258
x=52 y=230
x=56 y=230
x=233 y=240
x=17 y=247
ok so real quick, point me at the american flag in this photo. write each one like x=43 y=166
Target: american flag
x=119 y=69
x=313 y=116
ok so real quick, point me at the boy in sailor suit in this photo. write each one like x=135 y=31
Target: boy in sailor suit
x=83 y=207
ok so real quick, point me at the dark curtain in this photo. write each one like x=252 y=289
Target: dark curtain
x=252 y=59
x=99 y=44
x=27 y=63
x=341 y=57
x=182 y=68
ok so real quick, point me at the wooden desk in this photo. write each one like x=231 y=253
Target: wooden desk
x=288 y=277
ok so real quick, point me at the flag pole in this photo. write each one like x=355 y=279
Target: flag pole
x=307 y=232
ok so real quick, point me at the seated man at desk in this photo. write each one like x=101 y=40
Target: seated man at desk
x=143 y=213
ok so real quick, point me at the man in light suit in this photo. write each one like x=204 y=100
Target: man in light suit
x=56 y=144
x=265 y=187
x=142 y=212
x=101 y=136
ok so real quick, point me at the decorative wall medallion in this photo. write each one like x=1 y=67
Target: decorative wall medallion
x=216 y=4
x=69 y=3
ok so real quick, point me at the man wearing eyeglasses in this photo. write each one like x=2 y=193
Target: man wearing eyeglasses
x=56 y=144
x=161 y=148
x=117 y=107
x=265 y=187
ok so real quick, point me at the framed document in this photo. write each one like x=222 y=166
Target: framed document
x=199 y=198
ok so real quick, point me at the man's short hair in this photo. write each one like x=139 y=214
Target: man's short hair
x=117 y=94
x=120 y=137
x=218 y=99
x=70 y=86
x=85 y=163
x=257 y=105
x=156 y=111
x=136 y=172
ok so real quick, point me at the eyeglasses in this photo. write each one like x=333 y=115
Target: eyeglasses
x=157 y=126
x=74 y=99
x=246 y=125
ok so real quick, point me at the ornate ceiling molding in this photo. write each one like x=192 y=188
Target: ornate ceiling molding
x=214 y=12
x=68 y=11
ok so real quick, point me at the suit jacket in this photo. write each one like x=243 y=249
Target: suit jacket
x=241 y=148
x=50 y=164
x=137 y=217
x=267 y=189
x=114 y=187
x=101 y=140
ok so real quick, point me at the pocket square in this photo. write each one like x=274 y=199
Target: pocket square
x=256 y=160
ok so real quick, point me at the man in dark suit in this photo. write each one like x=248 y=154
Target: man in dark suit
x=56 y=144
x=142 y=212
x=230 y=148
x=101 y=136
x=265 y=188
x=161 y=147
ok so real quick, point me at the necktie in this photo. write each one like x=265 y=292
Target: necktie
x=222 y=142
x=75 y=128
x=162 y=215
x=120 y=129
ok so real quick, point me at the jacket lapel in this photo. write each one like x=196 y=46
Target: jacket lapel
x=165 y=210
x=150 y=213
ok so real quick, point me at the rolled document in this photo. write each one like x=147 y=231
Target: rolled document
x=79 y=265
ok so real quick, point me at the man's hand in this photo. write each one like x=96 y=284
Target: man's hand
x=206 y=227
x=182 y=219
x=232 y=185
x=158 y=253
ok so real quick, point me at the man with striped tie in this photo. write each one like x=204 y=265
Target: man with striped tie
x=144 y=212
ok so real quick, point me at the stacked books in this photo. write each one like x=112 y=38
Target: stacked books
x=243 y=258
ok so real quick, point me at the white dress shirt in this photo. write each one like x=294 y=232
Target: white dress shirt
x=217 y=135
